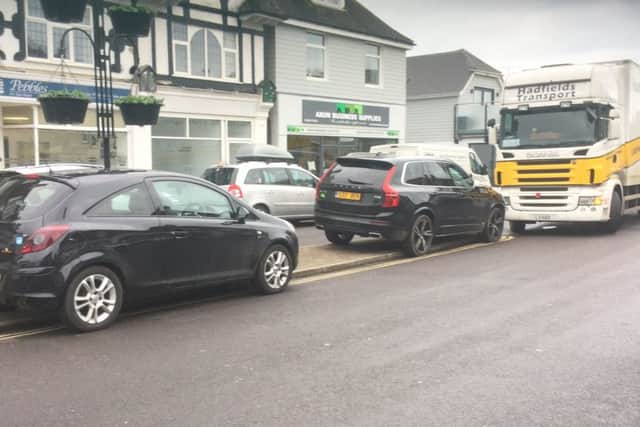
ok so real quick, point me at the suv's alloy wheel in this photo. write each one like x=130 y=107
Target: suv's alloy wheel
x=495 y=226
x=420 y=237
x=274 y=271
x=93 y=300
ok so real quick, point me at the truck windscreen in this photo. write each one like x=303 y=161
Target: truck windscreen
x=552 y=128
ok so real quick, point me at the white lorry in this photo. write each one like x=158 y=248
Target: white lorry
x=569 y=144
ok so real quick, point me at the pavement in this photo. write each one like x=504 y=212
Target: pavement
x=540 y=330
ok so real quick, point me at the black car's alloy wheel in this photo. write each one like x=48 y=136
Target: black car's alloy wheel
x=275 y=270
x=420 y=237
x=338 y=237
x=495 y=226
x=93 y=300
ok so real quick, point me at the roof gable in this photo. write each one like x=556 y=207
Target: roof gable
x=354 y=18
x=443 y=73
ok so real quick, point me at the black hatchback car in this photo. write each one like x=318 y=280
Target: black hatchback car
x=406 y=200
x=81 y=242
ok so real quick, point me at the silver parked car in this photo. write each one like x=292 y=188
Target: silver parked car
x=280 y=189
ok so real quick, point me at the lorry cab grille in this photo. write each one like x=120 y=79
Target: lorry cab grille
x=544 y=172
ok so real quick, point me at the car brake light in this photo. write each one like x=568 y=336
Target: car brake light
x=391 y=197
x=322 y=178
x=43 y=238
x=236 y=191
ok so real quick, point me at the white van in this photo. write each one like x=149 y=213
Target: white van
x=460 y=154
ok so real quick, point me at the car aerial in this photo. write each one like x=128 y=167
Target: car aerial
x=79 y=242
x=280 y=189
x=406 y=200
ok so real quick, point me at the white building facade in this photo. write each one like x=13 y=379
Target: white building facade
x=208 y=63
x=340 y=89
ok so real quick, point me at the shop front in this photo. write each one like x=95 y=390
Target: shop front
x=27 y=139
x=197 y=130
x=317 y=131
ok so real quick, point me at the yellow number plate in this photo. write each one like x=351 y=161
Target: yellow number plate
x=345 y=195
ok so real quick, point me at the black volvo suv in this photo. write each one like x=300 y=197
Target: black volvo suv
x=406 y=200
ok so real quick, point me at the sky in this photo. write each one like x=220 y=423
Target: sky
x=516 y=34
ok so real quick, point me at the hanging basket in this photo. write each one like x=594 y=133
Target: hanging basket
x=132 y=21
x=139 y=110
x=65 y=11
x=64 y=107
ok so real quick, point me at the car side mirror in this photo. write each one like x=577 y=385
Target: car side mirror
x=242 y=214
x=484 y=170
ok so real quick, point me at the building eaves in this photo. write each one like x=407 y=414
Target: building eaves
x=354 y=18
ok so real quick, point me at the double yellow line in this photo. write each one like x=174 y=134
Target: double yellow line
x=297 y=282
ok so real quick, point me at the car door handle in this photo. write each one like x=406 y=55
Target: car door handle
x=180 y=234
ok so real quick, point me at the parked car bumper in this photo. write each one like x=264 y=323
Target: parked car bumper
x=379 y=226
x=29 y=283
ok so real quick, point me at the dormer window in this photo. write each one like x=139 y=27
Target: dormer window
x=333 y=4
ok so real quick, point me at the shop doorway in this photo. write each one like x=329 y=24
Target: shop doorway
x=316 y=153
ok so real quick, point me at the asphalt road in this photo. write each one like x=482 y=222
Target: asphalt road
x=540 y=330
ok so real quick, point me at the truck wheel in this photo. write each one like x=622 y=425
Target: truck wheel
x=495 y=225
x=517 y=227
x=338 y=238
x=420 y=237
x=615 y=214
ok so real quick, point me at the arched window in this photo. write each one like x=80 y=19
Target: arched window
x=214 y=56
x=199 y=52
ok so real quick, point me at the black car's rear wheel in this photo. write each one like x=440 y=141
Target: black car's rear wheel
x=494 y=227
x=274 y=271
x=338 y=237
x=420 y=237
x=93 y=299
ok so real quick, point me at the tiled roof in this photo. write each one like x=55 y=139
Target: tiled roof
x=354 y=18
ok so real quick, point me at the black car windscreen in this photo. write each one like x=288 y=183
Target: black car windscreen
x=359 y=172
x=23 y=198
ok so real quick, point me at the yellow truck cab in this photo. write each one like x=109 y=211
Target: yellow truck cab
x=568 y=144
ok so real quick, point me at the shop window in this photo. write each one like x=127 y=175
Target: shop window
x=65 y=146
x=315 y=56
x=372 y=65
x=186 y=145
x=239 y=135
x=44 y=37
x=17 y=116
x=198 y=52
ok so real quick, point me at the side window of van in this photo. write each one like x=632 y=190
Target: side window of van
x=476 y=165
